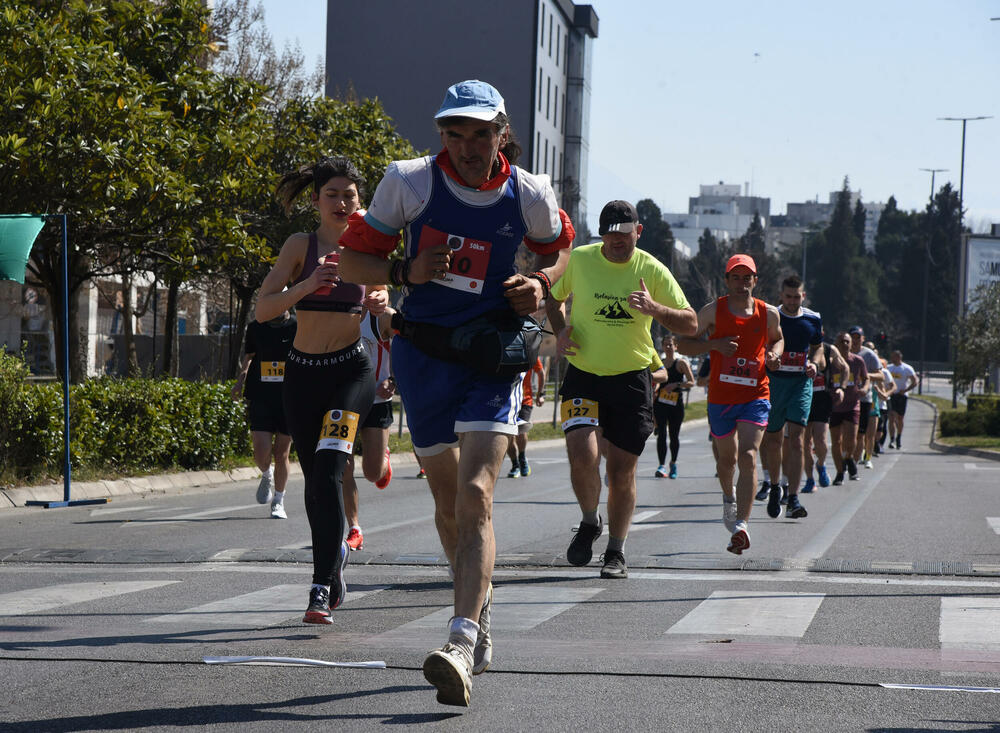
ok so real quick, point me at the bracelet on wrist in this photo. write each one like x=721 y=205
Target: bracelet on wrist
x=544 y=280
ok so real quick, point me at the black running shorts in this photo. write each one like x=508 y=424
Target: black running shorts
x=624 y=402
x=380 y=416
x=897 y=403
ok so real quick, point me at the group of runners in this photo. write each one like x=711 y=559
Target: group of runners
x=460 y=216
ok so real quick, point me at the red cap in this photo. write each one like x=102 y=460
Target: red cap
x=737 y=260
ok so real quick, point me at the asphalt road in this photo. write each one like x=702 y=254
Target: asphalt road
x=109 y=612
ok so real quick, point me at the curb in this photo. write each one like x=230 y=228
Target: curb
x=169 y=482
x=989 y=455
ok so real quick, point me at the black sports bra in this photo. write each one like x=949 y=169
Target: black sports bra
x=342 y=298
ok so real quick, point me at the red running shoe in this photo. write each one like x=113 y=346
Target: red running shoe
x=384 y=481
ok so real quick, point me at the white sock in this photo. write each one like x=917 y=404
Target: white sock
x=279 y=497
x=465 y=628
x=269 y=472
x=355 y=526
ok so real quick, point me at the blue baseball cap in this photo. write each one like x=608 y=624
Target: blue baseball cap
x=472 y=98
x=856 y=330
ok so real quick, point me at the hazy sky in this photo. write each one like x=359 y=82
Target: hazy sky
x=787 y=96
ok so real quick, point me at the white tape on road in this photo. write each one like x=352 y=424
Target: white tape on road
x=292 y=662
x=938 y=688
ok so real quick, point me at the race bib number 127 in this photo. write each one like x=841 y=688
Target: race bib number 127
x=339 y=430
x=578 y=411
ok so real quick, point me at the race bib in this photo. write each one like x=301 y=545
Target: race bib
x=339 y=430
x=739 y=370
x=793 y=361
x=578 y=411
x=470 y=259
x=819 y=383
x=840 y=381
x=272 y=371
x=668 y=398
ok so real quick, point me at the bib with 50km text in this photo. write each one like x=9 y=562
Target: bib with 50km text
x=470 y=259
x=272 y=371
x=578 y=411
x=739 y=370
x=340 y=427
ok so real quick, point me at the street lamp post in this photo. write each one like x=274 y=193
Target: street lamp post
x=961 y=217
x=927 y=276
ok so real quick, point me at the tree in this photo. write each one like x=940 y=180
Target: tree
x=247 y=51
x=706 y=270
x=110 y=118
x=858 y=222
x=657 y=238
x=769 y=268
x=977 y=336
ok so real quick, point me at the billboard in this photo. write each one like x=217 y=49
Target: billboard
x=982 y=264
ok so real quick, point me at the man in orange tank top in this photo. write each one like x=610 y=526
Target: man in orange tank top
x=744 y=338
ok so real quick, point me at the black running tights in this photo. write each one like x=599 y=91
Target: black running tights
x=315 y=385
x=667 y=416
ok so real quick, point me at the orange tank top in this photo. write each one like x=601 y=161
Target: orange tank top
x=741 y=377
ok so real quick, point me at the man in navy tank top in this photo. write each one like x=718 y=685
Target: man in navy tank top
x=463 y=213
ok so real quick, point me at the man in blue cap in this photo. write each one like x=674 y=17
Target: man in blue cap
x=463 y=213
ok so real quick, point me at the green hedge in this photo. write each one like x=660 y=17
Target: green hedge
x=983 y=403
x=973 y=422
x=123 y=425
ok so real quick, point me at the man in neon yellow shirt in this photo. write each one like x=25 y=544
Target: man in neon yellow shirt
x=617 y=292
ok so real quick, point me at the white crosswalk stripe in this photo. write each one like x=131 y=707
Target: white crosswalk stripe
x=749 y=613
x=514 y=609
x=266 y=607
x=36 y=600
x=970 y=622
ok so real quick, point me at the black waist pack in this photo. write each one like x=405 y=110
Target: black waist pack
x=497 y=344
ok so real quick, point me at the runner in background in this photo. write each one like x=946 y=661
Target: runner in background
x=668 y=409
x=846 y=413
x=517 y=451
x=262 y=373
x=824 y=396
x=905 y=380
x=375 y=464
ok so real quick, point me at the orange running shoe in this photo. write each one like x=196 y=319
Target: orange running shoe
x=384 y=481
x=355 y=540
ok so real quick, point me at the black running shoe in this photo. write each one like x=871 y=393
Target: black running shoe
x=339 y=586
x=581 y=549
x=795 y=510
x=763 y=493
x=614 y=565
x=838 y=480
x=318 y=611
x=774 y=502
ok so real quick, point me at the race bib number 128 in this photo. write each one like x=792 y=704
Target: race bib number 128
x=578 y=411
x=339 y=430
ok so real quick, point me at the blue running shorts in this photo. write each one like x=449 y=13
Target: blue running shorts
x=442 y=398
x=791 y=401
x=722 y=419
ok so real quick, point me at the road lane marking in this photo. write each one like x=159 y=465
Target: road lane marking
x=637 y=520
x=977 y=467
x=751 y=613
x=828 y=532
x=36 y=600
x=267 y=607
x=994 y=523
x=970 y=622
x=135 y=508
x=192 y=515
x=514 y=609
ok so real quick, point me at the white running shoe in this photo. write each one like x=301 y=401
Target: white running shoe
x=482 y=655
x=869 y=464
x=740 y=540
x=278 y=510
x=729 y=515
x=265 y=489
x=449 y=669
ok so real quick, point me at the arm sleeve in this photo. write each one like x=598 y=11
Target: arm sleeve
x=378 y=231
x=549 y=227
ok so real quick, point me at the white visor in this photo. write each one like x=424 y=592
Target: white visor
x=625 y=226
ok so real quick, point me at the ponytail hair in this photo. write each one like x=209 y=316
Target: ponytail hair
x=292 y=184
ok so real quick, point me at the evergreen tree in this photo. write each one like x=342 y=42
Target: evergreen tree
x=706 y=271
x=657 y=237
x=860 y=215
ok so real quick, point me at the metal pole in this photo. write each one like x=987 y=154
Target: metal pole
x=961 y=218
x=927 y=257
x=65 y=269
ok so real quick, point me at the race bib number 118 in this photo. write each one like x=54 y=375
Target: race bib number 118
x=339 y=430
x=578 y=411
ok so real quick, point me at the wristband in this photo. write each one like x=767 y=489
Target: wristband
x=544 y=280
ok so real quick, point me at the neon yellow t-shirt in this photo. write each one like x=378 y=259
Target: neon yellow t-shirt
x=613 y=338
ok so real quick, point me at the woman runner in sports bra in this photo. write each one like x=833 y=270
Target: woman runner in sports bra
x=668 y=407
x=329 y=381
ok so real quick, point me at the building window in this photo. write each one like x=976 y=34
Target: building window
x=553 y=160
x=558 y=38
x=545 y=165
x=541 y=36
x=539 y=88
x=551 y=20
x=562 y=127
x=561 y=171
x=548 y=95
x=538 y=150
x=566 y=51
